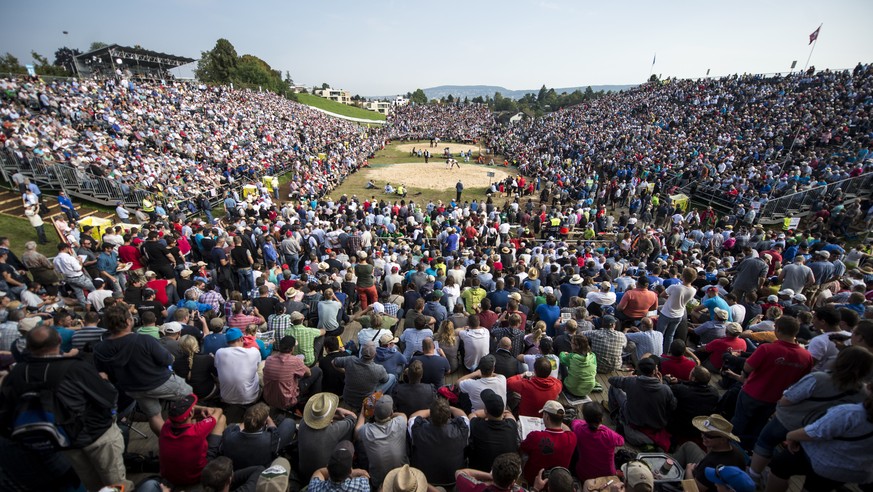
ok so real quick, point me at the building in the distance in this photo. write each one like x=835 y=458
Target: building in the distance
x=400 y=101
x=383 y=107
x=338 y=95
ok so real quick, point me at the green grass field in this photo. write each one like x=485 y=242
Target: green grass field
x=19 y=231
x=338 y=108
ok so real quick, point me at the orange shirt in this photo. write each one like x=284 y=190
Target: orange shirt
x=636 y=303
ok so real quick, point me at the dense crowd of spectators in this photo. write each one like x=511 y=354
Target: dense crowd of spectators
x=718 y=339
x=450 y=122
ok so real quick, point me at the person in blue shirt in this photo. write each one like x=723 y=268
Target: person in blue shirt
x=549 y=313
x=107 y=263
x=216 y=339
x=67 y=207
x=710 y=303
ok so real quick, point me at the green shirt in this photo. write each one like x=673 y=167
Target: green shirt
x=581 y=372
x=149 y=330
x=473 y=297
x=305 y=337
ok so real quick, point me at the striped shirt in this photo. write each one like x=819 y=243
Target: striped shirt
x=87 y=335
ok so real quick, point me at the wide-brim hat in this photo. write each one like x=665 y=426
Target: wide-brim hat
x=484 y=269
x=576 y=279
x=405 y=479
x=715 y=423
x=319 y=410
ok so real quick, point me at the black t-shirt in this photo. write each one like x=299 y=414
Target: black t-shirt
x=713 y=459
x=410 y=398
x=491 y=438
x=7 y=268
x=240 y=257
x=435 y=368
x=152 y=306
x=156 y=253
x=266 y=305
x=201 y=377
x=133 y=295
x=438 y=451
x=333 y=380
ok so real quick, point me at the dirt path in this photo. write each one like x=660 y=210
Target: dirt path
x=434 y=175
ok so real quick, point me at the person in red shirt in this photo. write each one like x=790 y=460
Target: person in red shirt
x=679 y=362
x=728 y=344
x=537 y=390
x=130 y=254
x=190 y=437
x=548 y=448
x=160 y=286
x=770 y=370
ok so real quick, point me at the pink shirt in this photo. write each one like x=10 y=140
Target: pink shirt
x=596 y=450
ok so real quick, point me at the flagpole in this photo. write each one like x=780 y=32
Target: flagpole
x=815 y=41
x=799 y=127
x=652 y=69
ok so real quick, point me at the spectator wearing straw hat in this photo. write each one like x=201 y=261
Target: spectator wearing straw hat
x=719 y=449
x=324 y=425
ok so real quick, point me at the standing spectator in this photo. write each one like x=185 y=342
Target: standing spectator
x=32 y=214
x=750 y=276
x=365 y=285
x=771 y=369
x=673 y=311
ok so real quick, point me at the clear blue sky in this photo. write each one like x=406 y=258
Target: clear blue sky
x=384 y=47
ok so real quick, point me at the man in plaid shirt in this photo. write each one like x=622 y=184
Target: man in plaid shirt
x=213 y=298
x=607 y=344
x=279 y=322
x=310 y=341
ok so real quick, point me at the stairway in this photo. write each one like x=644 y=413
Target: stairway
x=11 y=205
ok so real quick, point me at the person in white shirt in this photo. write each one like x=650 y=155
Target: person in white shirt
x=71 y=268
x=238 y=370
x=604 y=297
x=484 y=378
x=476 y=340
x=823 y=347
x=673 y=311
x=97 y=297
x=738 y=311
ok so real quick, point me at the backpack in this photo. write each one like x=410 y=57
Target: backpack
x=39 y=420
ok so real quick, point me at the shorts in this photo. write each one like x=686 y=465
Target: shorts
x=149 y=401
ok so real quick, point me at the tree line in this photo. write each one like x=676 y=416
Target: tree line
x=222 y=66
x=545 y=101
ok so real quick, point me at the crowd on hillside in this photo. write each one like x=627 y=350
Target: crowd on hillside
x=731 y=135
x=179 y=141
x=719 y=339
x=450 y=122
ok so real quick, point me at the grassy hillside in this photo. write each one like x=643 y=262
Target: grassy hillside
x=338 y=108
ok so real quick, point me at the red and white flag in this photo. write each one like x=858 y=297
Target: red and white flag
x=814 y=35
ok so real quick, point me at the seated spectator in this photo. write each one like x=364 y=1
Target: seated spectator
x=595 y=444
x=493 y=431
x=503 y=475
x=550 y=447
x=413 y=336
x=438 y=438
x=333 y=379
x=476 y=342
x=190 y=437
x=694 y=398
x=638 y=302
x=219 y=476
x=581 y=366
x=643 y=403
x=238 y=370
x=286 y=377
x=436 y=367
x=535 y=390
x=309 y=340
x=339 y=475
x=712 y=329
x=647 y=340
x=483 y=378
x=719 y=450
x=546 y=351
x=258 y=441
x=324 y=425
x=413 y=395
x=363 y=376
x=679 y=362
x=607 y=344
x=198 y=369
x=215 y=339
x=389 y=357
x=716 y=349
x=505 y=363
x=383 y=439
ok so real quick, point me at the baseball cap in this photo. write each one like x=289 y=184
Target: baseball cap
x=181 y=409
x=384 y=408
x=339 y=466
x=171 y=327
x=378 y=307
x=368 y=351
x=493 y=403
x=733 y=329
x=732 y=476
x=552 y=407
x=28 y=324
x=233 y=335
x=638 y=476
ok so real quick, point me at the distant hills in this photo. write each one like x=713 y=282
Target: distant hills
x=472 y=91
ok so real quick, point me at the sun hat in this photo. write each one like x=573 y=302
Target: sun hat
x=715 y=423
x=576 y=279
x=721 y=314
x=387 y=338
x=319 y=410
x=405 y=479
x=185 y=273
x=28 y=324
x=290 y=292
x=786 y=292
